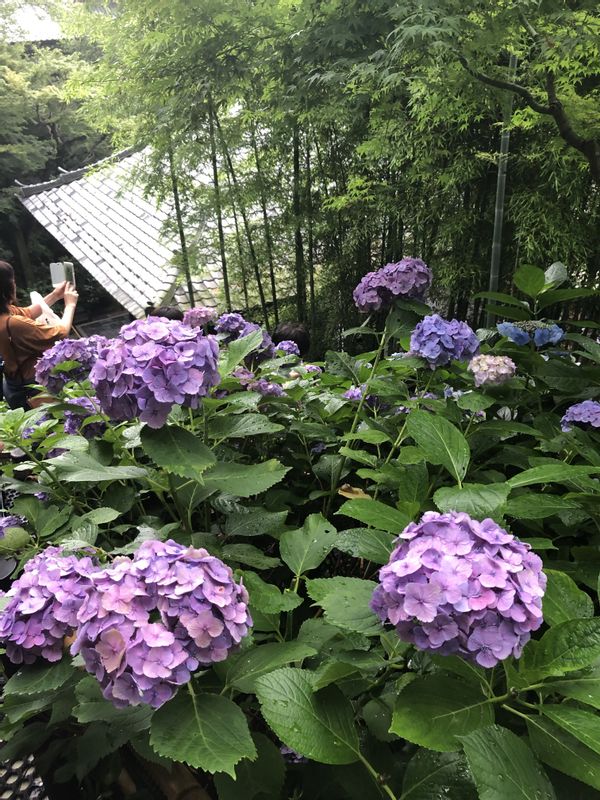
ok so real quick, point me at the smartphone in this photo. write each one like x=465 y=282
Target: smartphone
x=61 y=271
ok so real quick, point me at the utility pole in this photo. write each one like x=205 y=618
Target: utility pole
x=501 y=190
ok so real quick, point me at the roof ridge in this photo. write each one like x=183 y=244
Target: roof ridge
x=27 y=190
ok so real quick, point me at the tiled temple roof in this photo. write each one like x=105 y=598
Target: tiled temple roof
x=101 y=216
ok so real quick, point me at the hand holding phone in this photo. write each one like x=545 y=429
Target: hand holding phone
x=61 y=272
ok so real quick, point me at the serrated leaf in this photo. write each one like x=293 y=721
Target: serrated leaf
x=100 y=516
x=503 y=767
x=435 y=710
x=563 y=473
x=256 y=522
x=39 y=678
x=318 y=725
x=477 y=499
x=563 y=599
x=530 y=280
x=303 y=550
x=262 y=777
x=241 y=480
x=583 y=725
x=430 y=775
x=93 y=707
x=347 y=607
x=232 y=427
x=567 y=647
x=238 y=350
x=556 y=274
x=268 y=598
x=535 y=505
x=375 y=513
x=368 y=543
x=585 y=688
x=207 y=732
x=249 y=555
x=177 y=450
x=257 y=661
x=561 y=751
x=440 y=442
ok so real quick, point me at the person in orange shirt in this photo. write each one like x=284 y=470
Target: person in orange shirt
x=23 y=340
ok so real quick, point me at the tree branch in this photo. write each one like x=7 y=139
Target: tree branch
x=509 y=86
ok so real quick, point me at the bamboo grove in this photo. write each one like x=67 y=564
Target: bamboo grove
x=332 y=137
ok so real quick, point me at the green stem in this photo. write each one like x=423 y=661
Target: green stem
x=338 y=472
x=376 y=777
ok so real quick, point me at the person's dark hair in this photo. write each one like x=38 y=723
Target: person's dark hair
x=294 y=332
x=7 y=286
x=168 y=312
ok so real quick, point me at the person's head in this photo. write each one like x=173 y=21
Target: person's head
x=8 y=290
x=168 y=312
x=295 y=332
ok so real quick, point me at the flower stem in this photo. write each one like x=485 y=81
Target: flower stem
x=376 y=777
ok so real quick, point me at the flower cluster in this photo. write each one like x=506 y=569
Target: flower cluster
x=288 y=347
x=43 y=604
x=440 y=341
x=150 y=621
x=74 y=419
x=454 y=585
x=410 y=277
x=230 y=324
x=152 y=365
x=82 y=351
x=521 y=333
x=199 y=317
x=491 y=370
x=243 y=375
x=266 y=388
x=586 y=413
x=8 y=522
x=354 y=393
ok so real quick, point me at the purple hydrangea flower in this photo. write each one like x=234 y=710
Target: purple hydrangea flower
x=151 y=621
x=354 y=393
x=288 y=347
x=152 y=365
x=410 y=277
x=231 y=324
x=521 y=332
x=586 y=413
x=440 y=341
x=291 y=756
x=266 y=388
x=454 y=585
x=74 y=419
x=243 y=375
x=266 y=349
x=83 y=351
x=313 y=368
x=43 y=604
x=200 y=316
x=491 y=370
x=10 y=521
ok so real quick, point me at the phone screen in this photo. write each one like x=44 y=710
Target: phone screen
x=61 y=271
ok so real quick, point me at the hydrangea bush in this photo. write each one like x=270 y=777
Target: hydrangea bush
x=284 y=575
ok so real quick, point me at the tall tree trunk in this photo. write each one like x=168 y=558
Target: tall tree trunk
x=310 y=231
x=240 y=248
x=218 y=207
x=184 y=251
x=244 y=215
x=267 y=225
x=298 y=245
x=28 y=277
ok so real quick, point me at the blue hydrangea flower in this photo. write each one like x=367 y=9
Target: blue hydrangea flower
x=551 y=335
x=513 y=332
x=440 y=341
